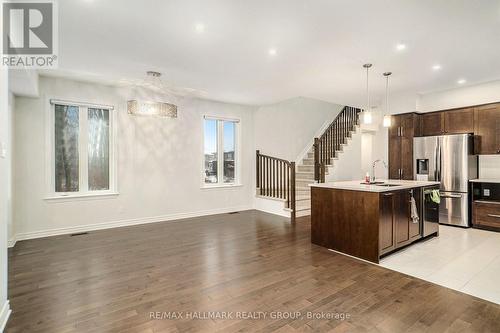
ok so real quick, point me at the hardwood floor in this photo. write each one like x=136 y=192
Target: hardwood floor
x=111 y=281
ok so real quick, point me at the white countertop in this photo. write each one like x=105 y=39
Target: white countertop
x=485 y=180
x=356 y=185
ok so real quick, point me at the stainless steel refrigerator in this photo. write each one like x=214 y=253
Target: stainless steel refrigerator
x=450 y=160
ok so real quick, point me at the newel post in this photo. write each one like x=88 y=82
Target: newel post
x=292 y=190
x=257 y=169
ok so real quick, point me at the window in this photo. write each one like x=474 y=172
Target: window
x=220 y=151
x=82 y=149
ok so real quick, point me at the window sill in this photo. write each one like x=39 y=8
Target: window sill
x=82 y=197
x=220 y=186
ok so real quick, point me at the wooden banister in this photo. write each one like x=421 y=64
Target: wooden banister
x=275 y=178
x=336 y=134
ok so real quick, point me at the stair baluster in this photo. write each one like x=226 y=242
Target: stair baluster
x=331 y=141
x=275 y=178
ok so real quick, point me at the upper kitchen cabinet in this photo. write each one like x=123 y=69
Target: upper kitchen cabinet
x=432 y=123
x=401 y=135
x=459 y=121
x=487 y=129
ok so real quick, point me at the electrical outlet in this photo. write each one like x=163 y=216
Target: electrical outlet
x=486 y=192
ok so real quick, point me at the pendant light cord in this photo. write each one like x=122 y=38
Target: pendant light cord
x=367 y=91
x=387 y=94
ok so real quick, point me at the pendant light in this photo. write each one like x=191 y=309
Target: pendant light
x=387 y=116
x=367 y=115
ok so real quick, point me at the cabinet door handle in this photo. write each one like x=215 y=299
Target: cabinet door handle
x=494 y=215
x=388 y=194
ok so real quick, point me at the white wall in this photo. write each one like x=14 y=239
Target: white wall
x=4 y=194
x=285 y=129
x=159 y=163
x=466 y=96
x=10 y=168
x=489 y=167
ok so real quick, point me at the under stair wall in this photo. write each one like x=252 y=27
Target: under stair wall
x=285 y=129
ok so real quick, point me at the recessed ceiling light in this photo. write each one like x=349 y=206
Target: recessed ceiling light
x=436 y=67
x=199 y=27
x=461 y=81
x=401 y=47
x=273 y=52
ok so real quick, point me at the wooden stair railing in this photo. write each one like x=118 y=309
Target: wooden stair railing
x=336 y=134
x=275 y=178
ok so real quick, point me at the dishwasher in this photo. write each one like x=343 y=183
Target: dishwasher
x=430 y=212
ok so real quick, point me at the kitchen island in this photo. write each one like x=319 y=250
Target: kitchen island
x=369 y=221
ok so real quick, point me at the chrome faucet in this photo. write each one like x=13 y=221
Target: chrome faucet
x=373 y=168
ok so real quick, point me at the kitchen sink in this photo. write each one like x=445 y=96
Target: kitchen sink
x=373 y=183
x=380 y=184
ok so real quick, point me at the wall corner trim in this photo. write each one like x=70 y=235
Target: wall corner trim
x=4 y=315
x=12 y=241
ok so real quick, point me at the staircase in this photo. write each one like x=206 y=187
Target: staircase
x=314 y=167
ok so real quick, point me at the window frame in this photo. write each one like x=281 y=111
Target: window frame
x=220 y=153
x=83 y=191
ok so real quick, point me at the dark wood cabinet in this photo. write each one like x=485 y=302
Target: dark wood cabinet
x=482 y=121
x=363 y=224
x=407 y=230
x=486 y=215
x=487 y=129
x=401 y=134
x=432 y=123
x=386 y=224
x=396 y=228
x=395 y=148
x=459 y=121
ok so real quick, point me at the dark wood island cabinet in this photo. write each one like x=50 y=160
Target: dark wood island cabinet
x=368 y=222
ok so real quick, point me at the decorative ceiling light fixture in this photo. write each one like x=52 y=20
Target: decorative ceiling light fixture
x=387 y=116
x=152 y=108
x=367 y=114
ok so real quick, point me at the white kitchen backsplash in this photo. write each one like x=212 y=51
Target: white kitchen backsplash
x=489 y=166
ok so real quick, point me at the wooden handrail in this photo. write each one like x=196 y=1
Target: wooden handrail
x=275 y=178
x=336 y=134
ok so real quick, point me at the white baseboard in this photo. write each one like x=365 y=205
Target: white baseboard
x=271 y=206
x=125 y=223
x=4 y=315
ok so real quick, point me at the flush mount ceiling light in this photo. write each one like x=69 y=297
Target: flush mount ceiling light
x=199 y=27
x=273 y=52
x=436 y=67
x=387 y=116
x=461 y=81
x=367 y=115
x=401 y=47
x=138 y=107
